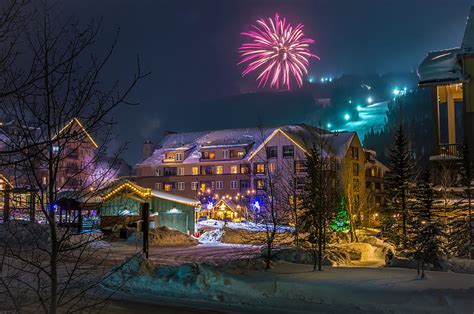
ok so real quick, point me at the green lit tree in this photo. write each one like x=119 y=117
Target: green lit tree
x=342 y=221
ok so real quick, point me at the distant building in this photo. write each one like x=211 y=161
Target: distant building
x=232 y=163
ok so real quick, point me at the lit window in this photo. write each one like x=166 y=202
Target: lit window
x=260 y=168
x=194 y=186
x=300 y=166
x=179 y=156
x=241 y=154
x=233 y=185
x=195 y=171
x=233 y=169
x=244 y=169
x=168 y=187
x=259 y=184
x=181 y=171
x=272 y=167
x=55 y=149
x=45 y=181
x=219 y=170
x=219 y=185
x=225 y=154
x=181 y=186
x=158 y=185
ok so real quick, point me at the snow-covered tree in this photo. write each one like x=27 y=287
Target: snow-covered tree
x=318 y=200
x=398 y=182
x=426 y=231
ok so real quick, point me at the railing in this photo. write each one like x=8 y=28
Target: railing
x=454 y=150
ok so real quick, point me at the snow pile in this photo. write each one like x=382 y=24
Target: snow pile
x=246 y=225
x=212 y=236
x=244 y=236
x=164 y=236
x=296 y=287
x=331 y=257
x=24 y=234
x=459 y=265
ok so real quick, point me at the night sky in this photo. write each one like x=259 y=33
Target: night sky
x=191 y=49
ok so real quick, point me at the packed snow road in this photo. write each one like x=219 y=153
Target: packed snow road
x=209 y=253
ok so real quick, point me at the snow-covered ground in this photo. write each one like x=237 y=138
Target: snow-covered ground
x=372 y=116
x=296 y=288
x=247 y=225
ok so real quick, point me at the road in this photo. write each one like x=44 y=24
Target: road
x=209 y=253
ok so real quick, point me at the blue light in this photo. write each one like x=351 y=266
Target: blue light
x=330 y=79
x=359 y=108
x=322 y=80
x=256 y=205
x=311 y=79
x=347 y=117
x=396 y=92
x=370 y=100
x=329 y=125
x=350 y=101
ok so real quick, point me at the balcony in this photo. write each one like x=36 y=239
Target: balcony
x=448 y=152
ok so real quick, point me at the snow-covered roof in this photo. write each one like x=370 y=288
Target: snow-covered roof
x=441 y=67
x=339 y=142
x=468 y=39
x=175 y=198
x=252 y=138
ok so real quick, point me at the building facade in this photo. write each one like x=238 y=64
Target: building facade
x=448 y=73
x=234 y=164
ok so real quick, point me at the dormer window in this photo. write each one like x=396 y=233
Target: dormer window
x=179 y=156
x=225 y=154
x=241 y=154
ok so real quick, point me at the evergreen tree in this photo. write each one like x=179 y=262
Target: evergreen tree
x=426 y=232
x=398 y=190
x=466 y=177
x=342 y=220
x=318 y=203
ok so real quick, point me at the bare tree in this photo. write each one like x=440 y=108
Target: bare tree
x=58 y=111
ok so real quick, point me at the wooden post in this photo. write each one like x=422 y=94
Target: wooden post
x=145 y=226
x=32 y=207
x=6 y=204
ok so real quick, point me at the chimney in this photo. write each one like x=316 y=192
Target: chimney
x=147 y=149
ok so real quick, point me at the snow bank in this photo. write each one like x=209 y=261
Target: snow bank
x=296 y=287
x=244 y=236
x=332 y=257
x=246 y=225
x=164 y=236
x=211 y=236
x=459 y=265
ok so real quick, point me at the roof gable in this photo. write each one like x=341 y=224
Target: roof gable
x=70 y=125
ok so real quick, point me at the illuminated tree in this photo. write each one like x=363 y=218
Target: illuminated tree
x=342 y=220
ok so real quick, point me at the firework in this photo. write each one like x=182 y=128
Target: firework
x=278 y=51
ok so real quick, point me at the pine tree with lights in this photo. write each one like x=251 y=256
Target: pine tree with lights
x=398 y=181
x=342 y=220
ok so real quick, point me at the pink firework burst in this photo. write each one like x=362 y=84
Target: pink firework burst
x=278 y=51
